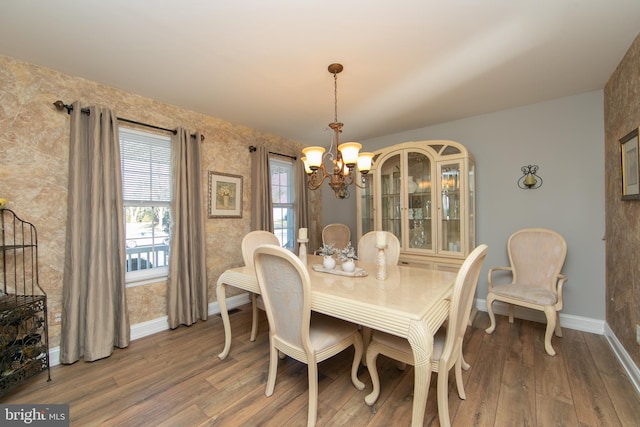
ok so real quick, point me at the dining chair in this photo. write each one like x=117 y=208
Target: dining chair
x=338 y=234
x=293 y=329
x=447 y=343
x=249 y=243
x=367 y=251
x=536 y=257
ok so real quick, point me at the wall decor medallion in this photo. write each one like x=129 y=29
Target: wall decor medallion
x=225 y=195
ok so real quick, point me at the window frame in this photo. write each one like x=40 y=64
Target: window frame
x=155 y=274
x=289 y=205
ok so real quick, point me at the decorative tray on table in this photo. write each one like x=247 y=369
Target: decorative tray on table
x=358 y=272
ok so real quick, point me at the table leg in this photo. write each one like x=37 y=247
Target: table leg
x=421 y=341
x=222 y=303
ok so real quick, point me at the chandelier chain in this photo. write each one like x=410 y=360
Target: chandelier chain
x=335 y=97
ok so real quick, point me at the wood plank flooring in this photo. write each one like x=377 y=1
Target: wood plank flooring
x=174 y=378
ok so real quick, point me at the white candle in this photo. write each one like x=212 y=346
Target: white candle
x=302 y=234
x=381 y=238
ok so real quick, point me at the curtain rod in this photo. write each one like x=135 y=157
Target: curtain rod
x=62 y=106
x=253 y=148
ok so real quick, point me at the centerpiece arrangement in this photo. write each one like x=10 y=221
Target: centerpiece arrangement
x=347 y=255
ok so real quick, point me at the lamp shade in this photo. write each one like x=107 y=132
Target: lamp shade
x=364 y=162
x=314 y=156
x=349 y=151
x=307 y=169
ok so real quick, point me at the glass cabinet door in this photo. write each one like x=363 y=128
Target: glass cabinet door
x=419 y=201
x=391 y=192
x=366 y=205
x=450 y=215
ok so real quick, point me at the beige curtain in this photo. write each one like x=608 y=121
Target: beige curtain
x=187 y=299
x=301 y=197
x=261 y=204
x=94 y=315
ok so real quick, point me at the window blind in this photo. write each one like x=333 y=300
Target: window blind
x=146 y=167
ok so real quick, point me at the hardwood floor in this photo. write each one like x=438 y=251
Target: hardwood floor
x=174 y=378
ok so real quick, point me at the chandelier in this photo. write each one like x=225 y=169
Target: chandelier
x=344 y=157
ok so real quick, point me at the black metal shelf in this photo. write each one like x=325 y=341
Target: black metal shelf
x=24 y=332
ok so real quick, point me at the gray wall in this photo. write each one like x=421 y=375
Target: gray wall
x=564 y=137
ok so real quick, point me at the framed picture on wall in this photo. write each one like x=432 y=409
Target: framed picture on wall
x=225 y=195
x=630 y=166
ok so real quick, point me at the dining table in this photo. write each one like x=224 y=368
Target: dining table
x=412 y=302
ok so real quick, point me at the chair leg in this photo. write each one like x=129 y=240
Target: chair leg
x=443 y=395
x=492 y=317
x=273 y=370
x=254 y=324
x=464 y=363
x=550 y=313
x=458 y=371
x=312 y=368
x=558 y=328
x=510 y=313
x=372 y=356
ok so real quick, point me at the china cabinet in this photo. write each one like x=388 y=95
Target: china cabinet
x=424 y=193
x=24 y=349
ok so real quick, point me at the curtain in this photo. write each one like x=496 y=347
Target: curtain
x=187 y=296
x=301 y=197
x=261 y=204
x=94 y=316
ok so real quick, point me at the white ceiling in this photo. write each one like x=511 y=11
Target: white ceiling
x=263 y=63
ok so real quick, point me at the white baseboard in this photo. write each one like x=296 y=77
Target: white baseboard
x=627 y=363
x=150 y=327
x=578 y=323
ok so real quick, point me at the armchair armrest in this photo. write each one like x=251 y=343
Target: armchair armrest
x=494 y=269
x=559 y=285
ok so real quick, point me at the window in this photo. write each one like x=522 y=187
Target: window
x=282 y=200
x=146 y=191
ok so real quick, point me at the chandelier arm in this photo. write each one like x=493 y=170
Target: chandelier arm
x=315 y=181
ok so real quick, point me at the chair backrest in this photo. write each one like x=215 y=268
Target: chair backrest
x=285 y=288
x=367 y=251
x=536 y=256
x=338 y=234
x=462 y=295
x=252 y=240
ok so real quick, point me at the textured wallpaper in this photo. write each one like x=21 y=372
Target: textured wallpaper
x=34 y=146
x=622 y=115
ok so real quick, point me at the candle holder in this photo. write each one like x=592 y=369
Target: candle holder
x=381 y=263
x=302 y=250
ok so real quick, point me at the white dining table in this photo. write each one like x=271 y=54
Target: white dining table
x=411 y=303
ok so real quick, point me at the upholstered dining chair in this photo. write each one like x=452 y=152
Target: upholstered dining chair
x=367 y=251
x=295 y=331
x=250 y=242
x=536 y=257
x=447 y=343
x=337 y=234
